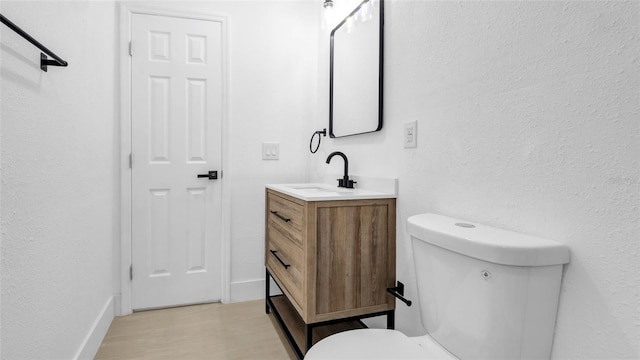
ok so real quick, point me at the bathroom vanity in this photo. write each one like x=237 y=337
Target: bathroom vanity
x=331 y=251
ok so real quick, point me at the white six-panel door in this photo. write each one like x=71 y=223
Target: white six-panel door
x=176 y=121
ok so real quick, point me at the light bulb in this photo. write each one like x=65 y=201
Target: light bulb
x=328 y=14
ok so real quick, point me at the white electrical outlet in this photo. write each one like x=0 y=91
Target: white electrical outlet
x=410 y=134
x=270 y=151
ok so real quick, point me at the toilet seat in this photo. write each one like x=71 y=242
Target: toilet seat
x=376 y=344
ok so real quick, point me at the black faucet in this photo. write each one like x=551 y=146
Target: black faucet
x=344 y=182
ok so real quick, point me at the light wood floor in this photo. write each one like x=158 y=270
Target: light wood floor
x=209 y=331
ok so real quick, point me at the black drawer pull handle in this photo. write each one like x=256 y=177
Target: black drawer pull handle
x=280 y=216
x=286 y=266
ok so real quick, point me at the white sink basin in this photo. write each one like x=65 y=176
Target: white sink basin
x=320 y=188
x=325 y=192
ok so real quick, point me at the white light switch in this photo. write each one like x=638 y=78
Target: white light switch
x=410 y=134
x=270 y=151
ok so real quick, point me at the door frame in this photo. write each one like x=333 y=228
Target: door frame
x=123 y=304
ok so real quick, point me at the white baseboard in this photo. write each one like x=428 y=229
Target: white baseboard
x=96 y=334
x=117 y=304
x=247 y=290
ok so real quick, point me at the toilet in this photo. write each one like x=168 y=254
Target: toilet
x=484 y=293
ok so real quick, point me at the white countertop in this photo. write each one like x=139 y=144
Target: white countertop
x=326 y=192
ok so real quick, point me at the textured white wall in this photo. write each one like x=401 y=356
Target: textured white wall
x=59 y=182
x=527 y=120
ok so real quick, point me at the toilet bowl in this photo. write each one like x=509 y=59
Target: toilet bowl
x=377 y=344
x=484 y=293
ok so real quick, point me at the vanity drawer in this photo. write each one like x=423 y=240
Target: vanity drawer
x=285 y=262
x=287 y=216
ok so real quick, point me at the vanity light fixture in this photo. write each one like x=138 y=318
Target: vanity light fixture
x=363 y=13
x=328 y=14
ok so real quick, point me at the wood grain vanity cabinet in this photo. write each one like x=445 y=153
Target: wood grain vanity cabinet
x=333 y=260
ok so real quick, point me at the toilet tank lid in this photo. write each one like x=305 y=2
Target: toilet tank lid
x=485 y=242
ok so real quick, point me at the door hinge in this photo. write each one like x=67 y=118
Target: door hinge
x=131 y=272
x=131 y=161
x=130 y=48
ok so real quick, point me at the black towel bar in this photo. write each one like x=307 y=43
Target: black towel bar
x=44 y=61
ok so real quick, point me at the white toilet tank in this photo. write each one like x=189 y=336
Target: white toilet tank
x=486 y=293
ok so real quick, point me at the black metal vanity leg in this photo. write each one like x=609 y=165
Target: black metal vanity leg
x=391 y=319
x=308 y=333
x=267 y=282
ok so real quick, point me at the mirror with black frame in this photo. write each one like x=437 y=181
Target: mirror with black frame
x=355 y=73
